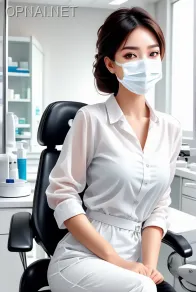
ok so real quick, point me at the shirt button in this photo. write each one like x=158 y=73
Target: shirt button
x=145 y=183
x=147 y=165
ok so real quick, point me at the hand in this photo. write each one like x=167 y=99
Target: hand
x=137 y=268
x=154 y=274
x=132 y=266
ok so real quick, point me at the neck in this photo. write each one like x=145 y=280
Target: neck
x=131 y=104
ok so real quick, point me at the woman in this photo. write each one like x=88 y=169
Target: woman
x=125 y=152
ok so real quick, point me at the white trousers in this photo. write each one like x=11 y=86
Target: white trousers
x=73 y=268
x=96 y=275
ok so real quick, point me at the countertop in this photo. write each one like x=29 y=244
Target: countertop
x=182 y=223
x=23 y=202
x=186 y=173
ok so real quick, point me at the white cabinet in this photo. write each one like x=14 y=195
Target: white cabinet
x=25 y=86
x=183 y=195
x=189 y=196
x=11 y=267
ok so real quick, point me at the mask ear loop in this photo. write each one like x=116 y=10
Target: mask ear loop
x=121 y=65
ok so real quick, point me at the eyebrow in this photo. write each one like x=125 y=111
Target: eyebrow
x=137 y=48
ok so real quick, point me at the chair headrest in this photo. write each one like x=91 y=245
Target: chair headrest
x=54 y=123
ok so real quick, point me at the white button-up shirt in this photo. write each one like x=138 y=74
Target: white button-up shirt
x=102 y=151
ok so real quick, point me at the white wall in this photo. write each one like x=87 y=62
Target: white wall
x=69 y=47
x=163 y=93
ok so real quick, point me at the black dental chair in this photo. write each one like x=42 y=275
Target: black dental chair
x=41 y=225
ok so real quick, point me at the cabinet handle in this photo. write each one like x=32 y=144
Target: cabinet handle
x=190 y=185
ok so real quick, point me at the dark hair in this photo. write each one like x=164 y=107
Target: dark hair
x=111 y=35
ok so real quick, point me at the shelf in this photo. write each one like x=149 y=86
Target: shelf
x=17 y=39
x=23 y=137
x=20 y=100
x=18 y=74
x=22 y=126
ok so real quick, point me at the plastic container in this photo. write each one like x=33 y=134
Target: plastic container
x=22 y=121
x=14 y=188
x=21 y=161
x=17 y=96
x=24 y=65
x=28 y=93
x=181 y=164
x=192 y=166
x=10 y=94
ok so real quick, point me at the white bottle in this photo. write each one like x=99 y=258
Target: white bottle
x=11 y=145
x=10 y=131
x=13 y=167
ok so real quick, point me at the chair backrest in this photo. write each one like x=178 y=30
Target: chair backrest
x=53 y=128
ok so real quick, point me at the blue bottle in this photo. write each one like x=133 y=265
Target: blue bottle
x=21 y=161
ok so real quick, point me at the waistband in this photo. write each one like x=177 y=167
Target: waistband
x=123 y=223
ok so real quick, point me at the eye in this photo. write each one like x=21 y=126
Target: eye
x=154 y=54
x=130 y=56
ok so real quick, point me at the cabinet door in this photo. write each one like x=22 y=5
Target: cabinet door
x=189 y=205
x=11 y=268
x=176 y=192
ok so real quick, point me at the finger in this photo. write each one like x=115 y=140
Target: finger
x=156 y=278
x=154 y=273
x=160 y=281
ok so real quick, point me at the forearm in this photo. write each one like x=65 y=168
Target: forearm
x=151 y=243
x=86 y=234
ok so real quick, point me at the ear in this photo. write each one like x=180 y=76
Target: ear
x=110 y=65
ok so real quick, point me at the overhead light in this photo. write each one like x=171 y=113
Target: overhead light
x=118 y=2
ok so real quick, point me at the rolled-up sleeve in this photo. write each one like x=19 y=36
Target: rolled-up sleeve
x=68 y=178
x=159 y=216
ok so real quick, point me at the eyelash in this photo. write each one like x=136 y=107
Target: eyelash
x=157 y=53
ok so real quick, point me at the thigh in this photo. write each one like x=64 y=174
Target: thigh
x=96 y=275
x=165 y=287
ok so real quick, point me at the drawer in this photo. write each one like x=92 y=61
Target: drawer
x=189 y=205
x=5 y=218
x=189 y=190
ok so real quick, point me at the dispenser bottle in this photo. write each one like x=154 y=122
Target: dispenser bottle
x=22 y=161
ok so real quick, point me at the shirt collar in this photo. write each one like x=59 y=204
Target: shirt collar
x=115 y=113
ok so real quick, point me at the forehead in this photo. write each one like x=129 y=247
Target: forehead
x=140 y=37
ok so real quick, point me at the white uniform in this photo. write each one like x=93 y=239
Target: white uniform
x=128 y=190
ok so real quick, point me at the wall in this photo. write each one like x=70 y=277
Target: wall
x=162 y=93
x=69 y=48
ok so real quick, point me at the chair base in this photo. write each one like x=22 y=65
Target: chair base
x=35 y=276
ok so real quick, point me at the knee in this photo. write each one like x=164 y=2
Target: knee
x=148 y=285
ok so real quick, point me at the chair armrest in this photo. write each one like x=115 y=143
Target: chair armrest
x=179 y=244
x=20 y=234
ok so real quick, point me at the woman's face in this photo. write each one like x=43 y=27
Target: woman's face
x=140 y=44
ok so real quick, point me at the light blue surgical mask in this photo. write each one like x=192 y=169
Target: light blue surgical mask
x=141 y=75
